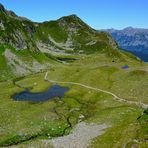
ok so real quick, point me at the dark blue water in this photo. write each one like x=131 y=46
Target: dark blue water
x=125 y=67
x=52 y=92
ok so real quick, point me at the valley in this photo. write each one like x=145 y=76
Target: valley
x=63 y=83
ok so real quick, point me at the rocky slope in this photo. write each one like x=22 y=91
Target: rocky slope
x=132 y=39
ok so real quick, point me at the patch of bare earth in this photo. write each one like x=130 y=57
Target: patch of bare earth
x=80 y=137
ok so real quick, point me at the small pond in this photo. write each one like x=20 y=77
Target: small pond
x=125 y=67
x=52 y=92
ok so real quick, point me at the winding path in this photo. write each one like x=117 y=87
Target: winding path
x=144 y=106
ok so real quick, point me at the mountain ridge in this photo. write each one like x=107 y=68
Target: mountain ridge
x=23 y=31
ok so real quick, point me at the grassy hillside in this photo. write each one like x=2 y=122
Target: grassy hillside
x=72 y=33
x=69 y=33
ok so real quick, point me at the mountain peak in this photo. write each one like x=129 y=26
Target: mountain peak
x=73 y=16
x=129 y=28
x=70 y=17
x=73 y=21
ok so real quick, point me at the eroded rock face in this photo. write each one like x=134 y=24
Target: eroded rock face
x=21 y=67
x=2 y=27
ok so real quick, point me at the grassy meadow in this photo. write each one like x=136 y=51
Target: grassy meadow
x=26 y=124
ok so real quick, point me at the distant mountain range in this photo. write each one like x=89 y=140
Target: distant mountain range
x=132 y=39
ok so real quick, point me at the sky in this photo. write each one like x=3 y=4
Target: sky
x=99 y=14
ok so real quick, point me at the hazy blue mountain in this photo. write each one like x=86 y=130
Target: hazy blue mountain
x=134 y=40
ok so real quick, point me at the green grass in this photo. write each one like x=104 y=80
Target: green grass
x=5 y=70
x=32 y=122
